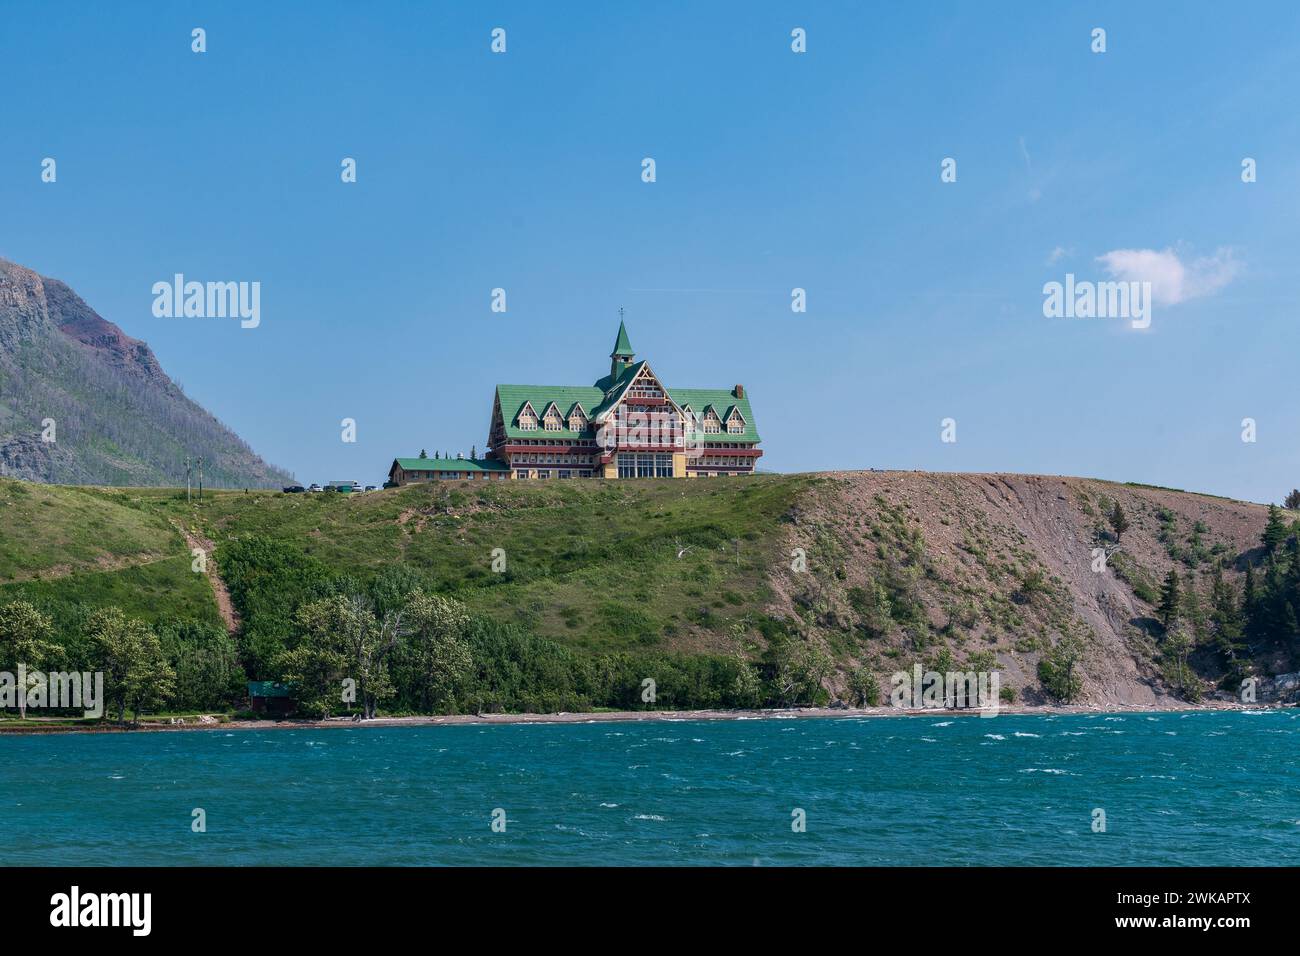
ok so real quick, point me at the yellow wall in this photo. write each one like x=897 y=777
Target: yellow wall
x=679 y=464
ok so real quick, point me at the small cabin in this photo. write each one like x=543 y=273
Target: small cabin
x=270 y=697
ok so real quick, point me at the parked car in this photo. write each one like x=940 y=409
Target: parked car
x=314 y=487
x=293 y=489
x=371 y=488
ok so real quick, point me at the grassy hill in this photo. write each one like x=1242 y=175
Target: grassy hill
x=978 y=570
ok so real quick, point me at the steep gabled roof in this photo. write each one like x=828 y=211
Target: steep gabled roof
x=700 y=398
x=514 y=397
x=612 y=396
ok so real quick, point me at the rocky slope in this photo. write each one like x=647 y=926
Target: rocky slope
x=119 y=419
x=902 y=565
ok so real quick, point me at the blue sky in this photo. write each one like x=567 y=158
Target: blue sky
x=775 y=170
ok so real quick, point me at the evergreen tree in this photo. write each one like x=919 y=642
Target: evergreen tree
x=1228 y=622
x=423 y=453
x=1118 y=522
x=1250 y=605
x=1274 y=530
x=1292 y=502
x=1193 y=612
x=1170 y=600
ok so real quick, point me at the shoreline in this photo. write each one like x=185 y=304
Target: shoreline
x=35 y=727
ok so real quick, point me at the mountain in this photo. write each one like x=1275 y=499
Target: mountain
x=118 y=418
x=990 y=572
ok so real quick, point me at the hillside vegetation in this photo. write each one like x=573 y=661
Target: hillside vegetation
x=765 y=590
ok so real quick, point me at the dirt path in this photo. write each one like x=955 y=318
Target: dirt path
x=225 y=607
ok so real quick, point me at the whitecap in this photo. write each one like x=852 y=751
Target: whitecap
x=1051 y=770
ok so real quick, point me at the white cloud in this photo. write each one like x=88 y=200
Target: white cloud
x=1172 y=280
x=1059 y=253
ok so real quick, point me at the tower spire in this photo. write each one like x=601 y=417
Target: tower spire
x=621 y=357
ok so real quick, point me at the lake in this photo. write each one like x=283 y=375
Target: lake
x=1195 y=788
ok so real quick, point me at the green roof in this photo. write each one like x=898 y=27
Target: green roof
x=622 y=345
x=513 y=398
x=450 y=464
x=723 y=401
x=594 y=400
x=267 y=688
x=604 y=394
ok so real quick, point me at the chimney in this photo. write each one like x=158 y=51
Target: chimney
x=739 y=391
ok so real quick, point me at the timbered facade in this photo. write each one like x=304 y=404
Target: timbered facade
x=628 y=424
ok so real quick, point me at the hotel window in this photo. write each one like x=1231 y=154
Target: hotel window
x=527 y=421
x=565 y=473
x=711 y=424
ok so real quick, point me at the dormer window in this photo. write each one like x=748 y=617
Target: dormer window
x=527 y=419
x=735 y=423
x=552 y=421
x=712 y=424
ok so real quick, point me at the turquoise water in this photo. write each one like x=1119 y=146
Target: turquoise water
x=1177 y=789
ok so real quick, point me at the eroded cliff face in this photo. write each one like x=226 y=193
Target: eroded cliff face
x=904 y=564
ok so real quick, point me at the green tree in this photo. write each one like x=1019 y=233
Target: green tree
x=423 y=453
x=1193 y=611
x=26 y=637
x=340 y=638
x=1292 y=502
x=799 y=671
x=434 y=653
x=1058 y=669
x=1274 y=530
x=1228 y=624
x=1118 y=521
x=863 y=687
x=1170 y=600
x=746 y=688
x=206 y=662
x=1174 y=653
x=136 y=673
